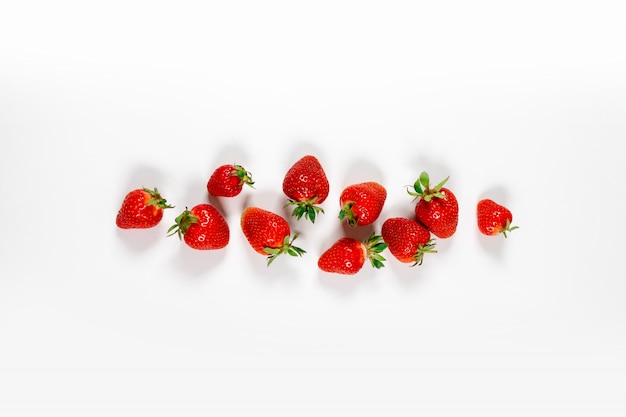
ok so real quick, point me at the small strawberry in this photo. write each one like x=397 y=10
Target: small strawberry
x=141 y=209
x=408 y=240
x=268 y=233
x=493 y=218
x=362 y=203
x=346 y=256
x=437 y=208
x=202 y=227
x=306 y=186
x=228 y=180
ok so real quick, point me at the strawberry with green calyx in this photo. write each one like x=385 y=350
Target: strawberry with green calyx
x=306 y=186
x=362 y=203
x=493 y=218
x=141 y=209
x=408 y=240
x=347 y=255
x=228 y=180
x=202 y=228
x=437 y=207
x=268 y=233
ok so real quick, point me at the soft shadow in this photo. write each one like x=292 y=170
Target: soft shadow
x=437 y=170
x=197 y=263
x=347 y=285
x=139 y=240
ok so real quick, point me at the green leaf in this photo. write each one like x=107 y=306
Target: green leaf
x=424 y=179
x=441 y=184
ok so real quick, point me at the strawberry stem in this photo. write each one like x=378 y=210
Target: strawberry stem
x=156 y=199
x=429 y=247
x=287 y=247
x=306 y=208
x=244 y=176
x=182 y=223
x=422 y=188
x=347 y=214
x=373 y=247
x=508 y=227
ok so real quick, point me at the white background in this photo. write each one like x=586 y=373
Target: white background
x=524 y=103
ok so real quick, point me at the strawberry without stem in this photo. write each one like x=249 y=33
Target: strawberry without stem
x=306 y=186
x=347 y=256
x=202 y=227
x=228 y=180
x=268 y=233
x=141 y=209
x=408 y=240
x=437 y=208
x=361 y=204
x=493 y=218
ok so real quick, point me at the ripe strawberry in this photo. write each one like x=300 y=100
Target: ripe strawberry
x=202 y=227
x=493 y=218
x=408 y=240
x=306 y=185
x=362 y=203
x=437 y=208
x=268 y=233
x=346 y=256
x=228 y=180
x=141 y=209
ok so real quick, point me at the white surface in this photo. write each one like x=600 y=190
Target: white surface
x=523 y=103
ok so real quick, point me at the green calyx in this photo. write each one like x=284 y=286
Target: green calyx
x=244 y=176
x=508 y=228
x=182 y=223
x=306 y=208
x=429 y=247
x=422 y=188
x=347 y=214
x=287 y=247
x=373 y=247
x=156 y=199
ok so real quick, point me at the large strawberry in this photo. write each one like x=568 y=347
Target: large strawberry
x=437 y=207
x=306 y=186
x=202 y=227
x=268 y=233
x=408 y=240
x=141 y=209
x=362 y=203
x=493 y=218
x=346 y=256
x=228 y=180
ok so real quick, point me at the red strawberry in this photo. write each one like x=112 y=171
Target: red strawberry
x=408 y=240
x=346 y=256
x=202 y=227
x=493 y=218
x=362 y=203
x=141 y=209
x=306 y=186
x=437 y=208
x=268 y=233
x=228 y=180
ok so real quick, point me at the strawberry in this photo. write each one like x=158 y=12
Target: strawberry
x=346 y=256
x=228 y=180
x=141 y=209
x=408 y=240
x=493 y=218
x=362 y=203
x=306 y=186
x=202 y=227
x=268 y=233
x=437 y=208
